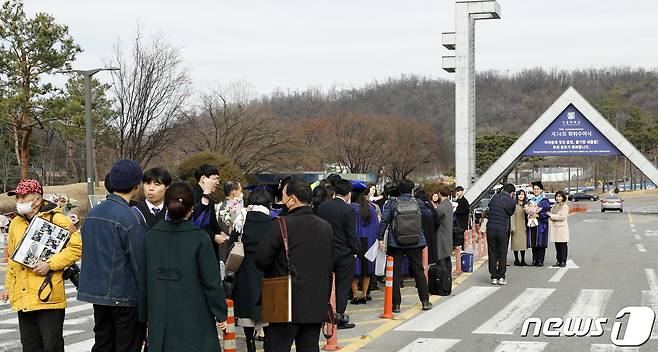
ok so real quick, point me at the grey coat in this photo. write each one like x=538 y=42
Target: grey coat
x=444 y=233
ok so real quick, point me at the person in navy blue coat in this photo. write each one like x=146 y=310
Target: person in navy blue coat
x=538 y=235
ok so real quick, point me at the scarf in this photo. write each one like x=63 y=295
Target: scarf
x=538 y=198
x=238 y=224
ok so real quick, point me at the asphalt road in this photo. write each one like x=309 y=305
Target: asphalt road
x=614 y=254
x=612 y=266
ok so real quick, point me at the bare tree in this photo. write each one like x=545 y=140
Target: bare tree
x=356 y=141
x=230 y=125
x=151 y=91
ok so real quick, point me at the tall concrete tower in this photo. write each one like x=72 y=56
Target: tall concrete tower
x=462 y=41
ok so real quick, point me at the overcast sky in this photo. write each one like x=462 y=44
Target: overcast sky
x=295 y=44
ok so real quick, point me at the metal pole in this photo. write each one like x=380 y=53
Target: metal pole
x=88 y=135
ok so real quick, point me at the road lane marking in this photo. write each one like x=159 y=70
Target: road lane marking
x=650 y=299
x=638 y=237
x=447 y=310
x=630 y=218
x=632 y=225
x=598 y=347
x=424 y=345
x=633 y=230
x=640 y=247
x=589 y=304
x=558 y=276
x=510 y=318
x=521 y=346
x=652 y=279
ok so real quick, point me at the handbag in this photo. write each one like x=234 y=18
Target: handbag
x=235 y=257
x=276 y=293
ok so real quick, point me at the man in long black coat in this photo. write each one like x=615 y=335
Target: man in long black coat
x=342 y=219
x=310 y=242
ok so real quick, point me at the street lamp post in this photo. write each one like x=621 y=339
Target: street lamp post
x=89 y=124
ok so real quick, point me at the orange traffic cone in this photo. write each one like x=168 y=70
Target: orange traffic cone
x=229 y=333
x=332 y=342
x=388 y=299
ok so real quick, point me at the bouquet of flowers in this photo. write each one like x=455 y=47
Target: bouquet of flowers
x=533 y=210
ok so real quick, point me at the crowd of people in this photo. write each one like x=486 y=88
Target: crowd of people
x=153 y=254
x=526 y=222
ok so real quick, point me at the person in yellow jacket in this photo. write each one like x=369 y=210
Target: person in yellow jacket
x=40 y=314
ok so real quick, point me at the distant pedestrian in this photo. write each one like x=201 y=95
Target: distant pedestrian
x=232 y=204
x=367 y=228
x=483 y=222
x=501 y=208
x=183 y=297
x=463 y=209
x=558 y=229
x=519 y=228
x=404 y=213
x=154 y=184
x=342 y=219
x=308 y=249
x=113 y=254
x=248 y=279
x=537 y=210
x=443 y=243
x=435 y=199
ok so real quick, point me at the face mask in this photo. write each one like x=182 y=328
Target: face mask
x=24 y=208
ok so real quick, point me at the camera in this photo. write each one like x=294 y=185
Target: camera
x=72 y=273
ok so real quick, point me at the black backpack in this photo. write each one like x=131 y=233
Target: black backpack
x=407 y=222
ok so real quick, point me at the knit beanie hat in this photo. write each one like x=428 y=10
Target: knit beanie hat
x=125 y=174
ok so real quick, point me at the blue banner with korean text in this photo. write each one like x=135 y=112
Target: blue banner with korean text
x=571 y=134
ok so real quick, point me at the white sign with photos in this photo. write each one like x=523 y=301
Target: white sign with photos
x=41 y=240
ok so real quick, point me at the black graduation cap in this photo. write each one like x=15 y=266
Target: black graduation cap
x=538 y=184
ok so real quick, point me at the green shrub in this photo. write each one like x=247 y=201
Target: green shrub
x=228 y=170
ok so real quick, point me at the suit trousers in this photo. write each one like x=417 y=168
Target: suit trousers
x=117 y=329
x=280 y=336
x=538 y=254
x=497 y=241
x=41 y=330
x=415 y=257
x=344 y=271
x=561 y=250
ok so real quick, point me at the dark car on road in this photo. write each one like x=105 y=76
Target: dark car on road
x=583 y=196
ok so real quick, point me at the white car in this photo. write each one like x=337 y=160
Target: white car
x=612 y=202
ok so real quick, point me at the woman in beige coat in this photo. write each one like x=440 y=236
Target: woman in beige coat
x=558 y=229
x=518 y=229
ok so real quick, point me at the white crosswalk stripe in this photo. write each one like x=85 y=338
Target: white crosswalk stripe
x=76 y=309
x=589 y=304
x=510 y=318
x=521 y=346
x=611 y=348
x=83 y=346
x=650 y=299
x=448 y=310
x=422 y=345
x=17 y=344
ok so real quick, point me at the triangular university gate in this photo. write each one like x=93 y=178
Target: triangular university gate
x=569 y=127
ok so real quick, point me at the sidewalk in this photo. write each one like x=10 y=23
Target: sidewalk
x=366 y=317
